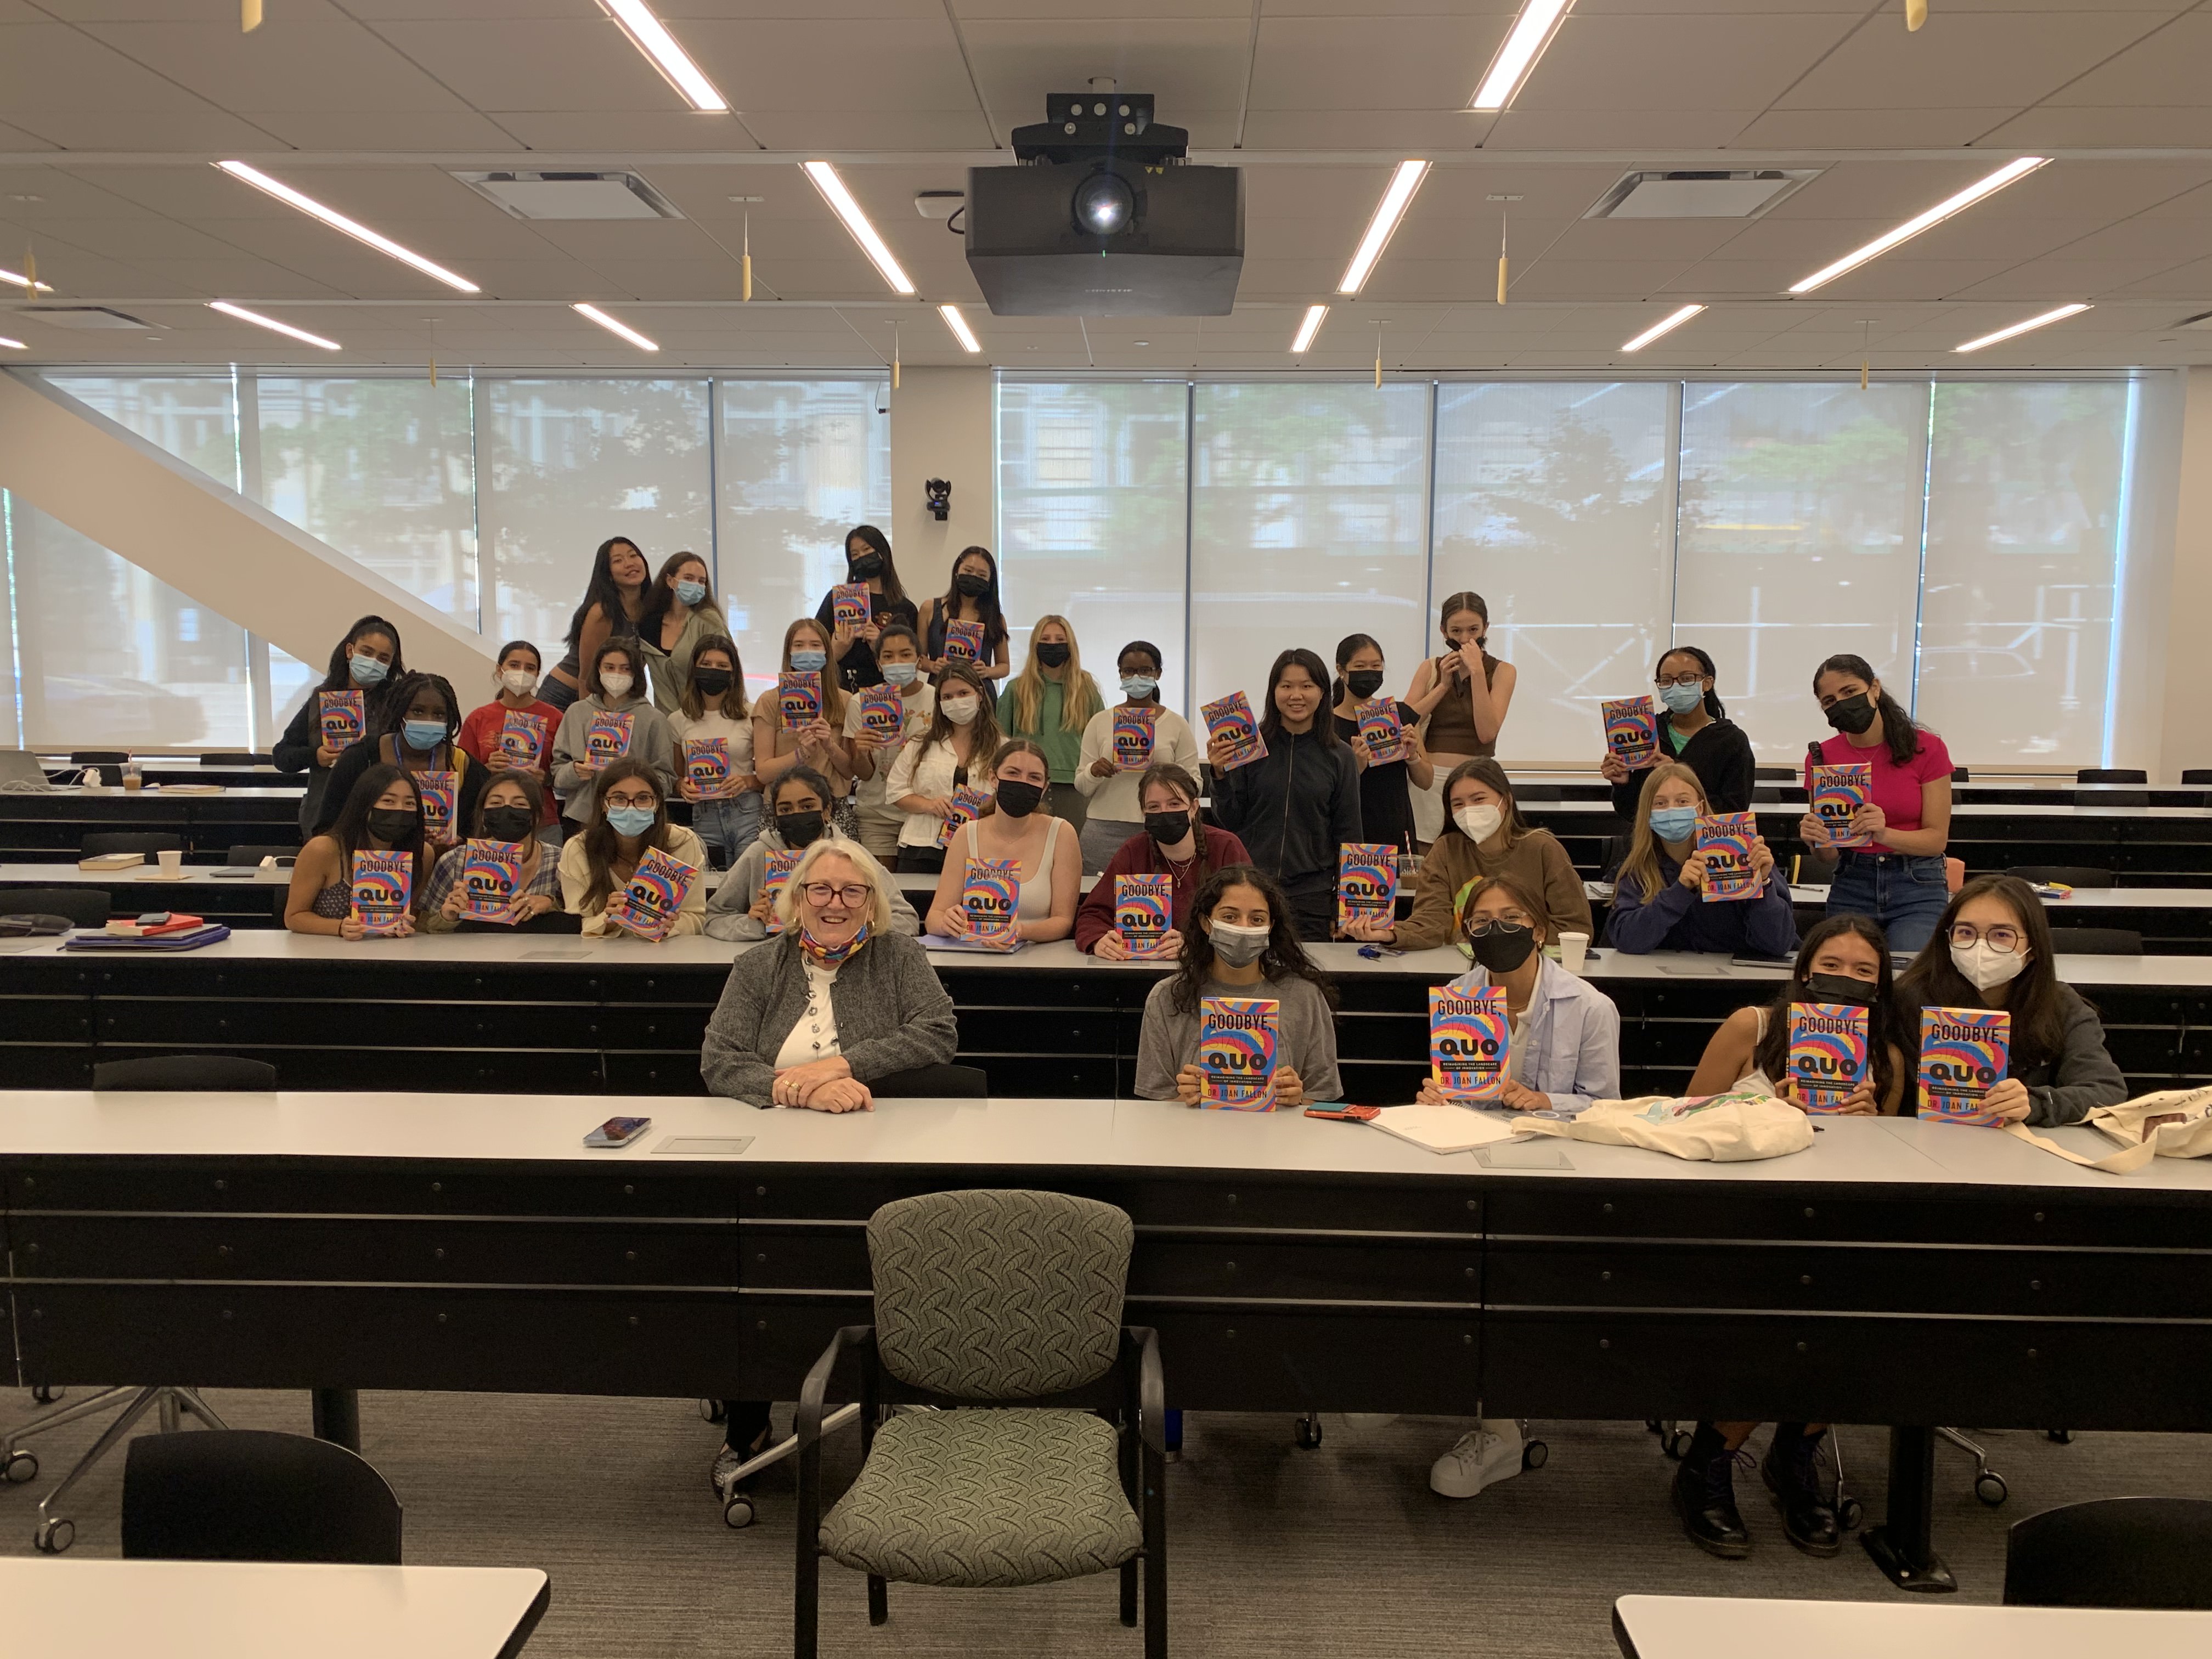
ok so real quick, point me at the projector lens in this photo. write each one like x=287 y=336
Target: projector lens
x=1104 y=204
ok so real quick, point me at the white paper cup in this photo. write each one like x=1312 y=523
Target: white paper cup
x=1572 y=946
x=172 y=860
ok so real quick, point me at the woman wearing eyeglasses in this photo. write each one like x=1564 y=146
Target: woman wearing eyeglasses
x=1694 y=729
x=629 y=817
x=1992 y=950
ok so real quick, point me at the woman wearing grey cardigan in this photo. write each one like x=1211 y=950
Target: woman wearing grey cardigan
x=837 y=1001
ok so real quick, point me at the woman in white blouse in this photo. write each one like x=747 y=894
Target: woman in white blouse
x=952 y=754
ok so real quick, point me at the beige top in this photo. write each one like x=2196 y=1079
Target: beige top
x=576 y=881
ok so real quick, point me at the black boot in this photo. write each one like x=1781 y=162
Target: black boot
x=1793 y=1475
x=1704 y=1496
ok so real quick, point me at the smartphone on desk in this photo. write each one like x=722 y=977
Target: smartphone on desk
x=618 y=1132
x=1340 y=1114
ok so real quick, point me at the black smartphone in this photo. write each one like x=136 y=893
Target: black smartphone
x=618 y=1132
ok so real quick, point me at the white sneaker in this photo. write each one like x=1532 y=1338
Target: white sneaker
x=1480 y=1458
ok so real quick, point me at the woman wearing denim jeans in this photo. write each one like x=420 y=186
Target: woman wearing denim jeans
x=1897 y=876
x=712 y=705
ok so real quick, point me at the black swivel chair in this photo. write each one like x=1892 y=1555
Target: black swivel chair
x=81 y=907
x=147 y=842
x=249 y=1495
x=2096 y=942
x=177 y=1073
x=2112 y=775
x=2112 y=1553
x=2066 y=875
x=934 y=1083
x=2196 y=774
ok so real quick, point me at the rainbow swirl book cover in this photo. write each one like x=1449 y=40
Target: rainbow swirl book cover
x=1238 y=1038
x=383 y=885
x=883 y=712
x=1724 y=839
x=849 y=604
x=647 y=904
x=1964 y=1054
x=1469 y=1039
x=968 y=805
x=1827 y=1053
x=522 y=739
x=1381 y=731
x=1133 y=728
x=707 y=768
x=1366 y=882
x=1144 y=913
x=440 y=795
x=963 y=642
x=606 y=740
x=1631 y=731
x=1837 y=792
x=1231 y=717
x=798 y=697
x=775 y=875
x=491 y=872
x=990 y=892
x=343 y=717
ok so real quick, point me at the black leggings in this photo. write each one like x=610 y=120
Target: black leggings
x=748 y=1421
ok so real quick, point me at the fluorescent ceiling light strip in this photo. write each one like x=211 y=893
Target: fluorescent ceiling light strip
x=260 y=321
x=1524 y=44
x=651 y=36
x=1388 y=212
x=1308 y=329
x=337 y=221
x=2048 y=317
x=614 y=327
x=958 y=324
x=13 y=345
x=842 y=204
x=1665 y=324
x=24 y=281
x=2010 y=172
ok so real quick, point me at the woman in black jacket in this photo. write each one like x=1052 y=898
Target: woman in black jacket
x=367 y=660
x=1695 y=730
x=1293 y=809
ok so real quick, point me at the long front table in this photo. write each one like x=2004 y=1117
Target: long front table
x=1897 y=1271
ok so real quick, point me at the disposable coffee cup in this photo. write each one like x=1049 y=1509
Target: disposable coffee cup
x=1572 y=948
x=173 y=863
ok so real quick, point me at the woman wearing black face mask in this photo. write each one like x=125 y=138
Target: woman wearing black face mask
x=1845 y=959
x=868 y=562
x=741 y=907
x=382 y=813
x=1899 y=877
x=1175 y=843
x=512 y=806
x=1048 y=866
x=971 y=596
x=1386 y=787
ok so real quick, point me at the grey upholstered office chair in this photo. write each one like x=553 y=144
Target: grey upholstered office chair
x=2112 y=1553
x=249 y=1495
x=1009 y=1305
x=83 y=907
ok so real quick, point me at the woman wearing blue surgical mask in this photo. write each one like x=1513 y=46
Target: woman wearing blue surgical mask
x=898 y=659
x=1112 y=760
x=629 y=817
x=423 y=721
x=1659 y=901
x=1694 y=729
x=821 y=743
x=367 y=660
x=679 y=615
x=853 y=647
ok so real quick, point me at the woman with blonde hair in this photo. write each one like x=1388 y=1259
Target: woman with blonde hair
x=1049 y=703
x=1660 y=901
x=1047 y=860
x=821 y=743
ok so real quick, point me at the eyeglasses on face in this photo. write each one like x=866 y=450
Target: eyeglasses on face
x=2000 y=938
x=851 y=896
x=645 y=801
x=1663 y=680
x=1482 y=927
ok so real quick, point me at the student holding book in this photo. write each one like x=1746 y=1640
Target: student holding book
x=512 y=807
x=868 y=564
x=1844 y=960
x=422 y=721
x=1241 y=944
x=1897 y=877
x=1992 y=949
x=1051 y=703
x=1048 y=866
x=898 y=659
x=381 y=813
x=1659 y=900
x=1298 y=803
x=517 y=676
x=612 y=688
x=1386 y=787
x=713 y=709
x=629 y=817
x=952 y=754
x=1462 y=697
x=614 y=598
x=680 y=615
x=1694 y=729
x=820 y=743
x=1485 y=837
x=1176 y=841
x=1118 y=744
x=367 y=660
x=971 y=598
x=797 y=804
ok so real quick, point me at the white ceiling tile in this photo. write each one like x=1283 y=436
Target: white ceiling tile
x=16 y=139
x=843 y=131
x=1372 y=63
x=377 y=129
x=2136 y=126
x=1983 y=60
x=1633 y=62
x=1853 y=129
x=2167 y=67
x=581 y=62
x=304 y=59
x=788 y=65
x=2061 y=280
x=613 y=131
x=189 y=130
x=1521 y=128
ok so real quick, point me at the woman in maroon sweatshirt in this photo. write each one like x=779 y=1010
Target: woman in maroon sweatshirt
x=1175 y=843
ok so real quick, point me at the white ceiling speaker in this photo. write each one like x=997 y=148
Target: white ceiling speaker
x=572 y=195
x=1739 y=195
x=938 y=203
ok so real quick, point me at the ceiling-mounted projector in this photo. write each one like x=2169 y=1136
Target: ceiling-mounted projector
x=1105 y=217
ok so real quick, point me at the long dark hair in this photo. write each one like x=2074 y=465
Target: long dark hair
x=1887 y=1030
x=1488 y=771
x=1283 y=958
x=1347 y=647
x=1899 y=734
x=987 y=606
x=533 y=791
x=660 y=593
x=1696 y=654
x=627 y=644
x=985 y=726
x=877 y=542
x=602 y=846
x=340 y=677
x=600 y=590
x=1271 y=718
x=693 y=702
x=2039 y=1017
x=403 y=693
x=350 y=829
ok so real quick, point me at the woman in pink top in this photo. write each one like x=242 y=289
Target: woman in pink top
x=1896 y=874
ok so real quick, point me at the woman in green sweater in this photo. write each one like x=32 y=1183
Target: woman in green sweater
x=1050 y=703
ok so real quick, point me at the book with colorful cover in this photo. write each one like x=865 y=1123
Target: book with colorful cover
x=440 y=795
x=1239 y=1039
x=963 y=642
x=798 y=697
x=775 y=875
x=491 y=875
x=1827 y=1053
x=1964 y=1054
x=1366 y=882
x=1381 y=731
x=707 y=768
x=1232 y=718
x=383 y=886
x=343 y=716
x=1134 y=725
x=1838 y=792
x=990 y=894
x=883 y=712
x=1144 y=913
x=1724 y=839
x=648 y=902
x=606 y=740
x=521 y=744
x=968 y=805
x=849 y=605
x=1469 y=1035
x=1631 y=731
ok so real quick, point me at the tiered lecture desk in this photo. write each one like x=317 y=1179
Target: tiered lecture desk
x=1734 y=1627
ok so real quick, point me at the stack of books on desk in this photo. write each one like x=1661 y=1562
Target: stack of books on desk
x=173 y=932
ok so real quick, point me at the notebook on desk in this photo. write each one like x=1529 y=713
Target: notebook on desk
x=1444 y=1128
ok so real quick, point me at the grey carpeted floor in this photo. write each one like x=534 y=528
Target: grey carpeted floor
x=1276 y=1552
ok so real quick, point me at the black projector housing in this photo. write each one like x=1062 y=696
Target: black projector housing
x=1179 y=253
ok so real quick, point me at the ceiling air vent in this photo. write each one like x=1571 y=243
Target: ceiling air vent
x=572 y=195
x=82 y=317
x=1740 y=195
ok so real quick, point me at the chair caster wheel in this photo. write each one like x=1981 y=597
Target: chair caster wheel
x=43 y=1396
x=739 y=1512
x=52 y=1537
x=2059 y=1436
x=1535 y=1455
x=1991 y=1488
x=1849 y=1516
x=1306 y=1431
x=712 y=1412
x=22 y=1466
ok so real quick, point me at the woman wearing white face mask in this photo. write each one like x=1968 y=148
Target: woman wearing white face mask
x=612 y=685
x=1107 y=771
x=897 y=657
x=953 y=753
x=1992 y=950
x=1240 y=943
x=517 y=678
x=1694 y=729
